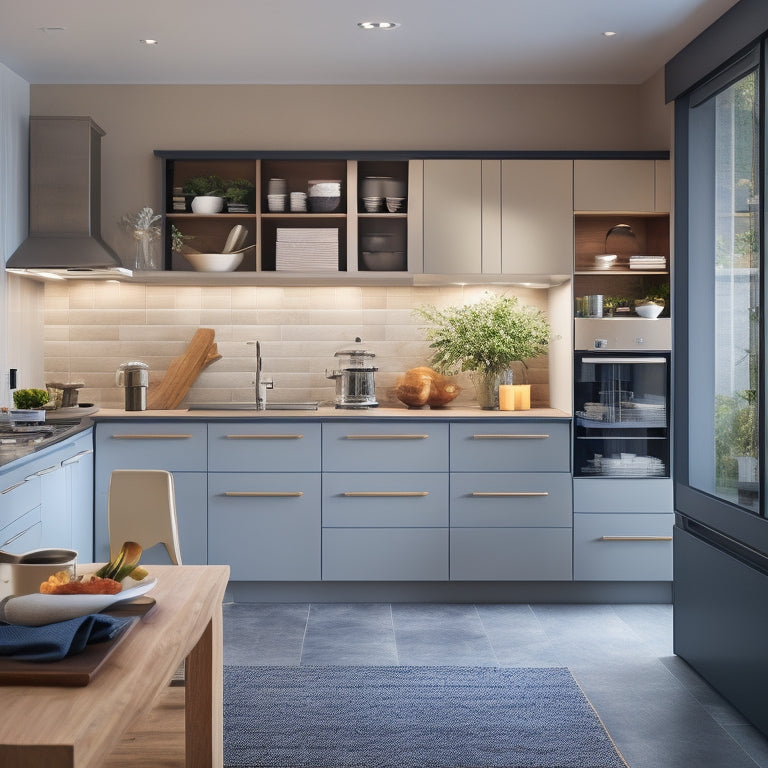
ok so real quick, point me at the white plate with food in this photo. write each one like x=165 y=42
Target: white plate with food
x=38 y=609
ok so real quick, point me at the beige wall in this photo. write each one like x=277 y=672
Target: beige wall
x=91 y=328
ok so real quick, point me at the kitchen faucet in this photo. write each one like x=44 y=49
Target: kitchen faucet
x=261 y=385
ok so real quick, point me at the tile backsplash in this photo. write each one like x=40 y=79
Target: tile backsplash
x=93 y=327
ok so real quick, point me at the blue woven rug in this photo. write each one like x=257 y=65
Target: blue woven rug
x=410 y=717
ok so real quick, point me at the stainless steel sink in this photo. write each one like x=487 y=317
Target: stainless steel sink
x=308 y=406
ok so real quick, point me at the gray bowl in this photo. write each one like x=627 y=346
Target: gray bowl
x=384 y=261
x=323 y=204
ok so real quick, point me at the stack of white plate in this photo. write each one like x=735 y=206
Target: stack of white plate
x=373 y=204
x=395 y=204
x=276 y=203
x=298 y=201
x=307 y=249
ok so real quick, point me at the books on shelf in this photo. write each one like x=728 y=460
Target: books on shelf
x=640 y=261
x=307 y=249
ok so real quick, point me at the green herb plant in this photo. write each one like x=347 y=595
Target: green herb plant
x=205 y=186
x=25 y=399
x=239 y=190
x=177 y=239
x=486 y=336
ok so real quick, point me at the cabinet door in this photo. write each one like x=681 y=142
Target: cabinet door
x=265 y=526
x=453 y=216
x=614 y=185
x=79 y=474
x=536 y=216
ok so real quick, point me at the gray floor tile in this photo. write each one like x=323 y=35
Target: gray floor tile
x=651 y=623
x=359 y=634
x=433 y=635
x=516 y=636
x=264 y=634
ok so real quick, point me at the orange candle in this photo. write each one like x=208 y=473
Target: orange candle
x=522 y=397
x=506 y=397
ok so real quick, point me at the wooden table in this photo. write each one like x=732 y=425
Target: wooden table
x=55 y=727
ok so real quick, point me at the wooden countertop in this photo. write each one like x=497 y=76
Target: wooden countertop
x=330 y=413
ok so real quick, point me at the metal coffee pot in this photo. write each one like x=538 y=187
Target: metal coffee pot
x=355 y=385
x=134 y=376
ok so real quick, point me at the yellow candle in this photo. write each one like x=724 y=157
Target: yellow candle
x=522 y=397
x=506 y=397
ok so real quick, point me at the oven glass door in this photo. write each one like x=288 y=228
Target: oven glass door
x=621 y=415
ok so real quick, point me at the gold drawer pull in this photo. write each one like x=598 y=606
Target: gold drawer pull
x=264 y=437
x=510 y=437
x=151 y=437
x=387 y=437
x=15 y=485
x=386 y=493
x=491 y=494
x=635 y=538
x=264 y=493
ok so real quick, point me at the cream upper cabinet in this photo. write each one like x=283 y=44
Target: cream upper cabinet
x=536 y=217
x=498 y=217
x=614 y=185
x=453 y=216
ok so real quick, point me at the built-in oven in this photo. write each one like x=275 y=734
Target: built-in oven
x=621 y=414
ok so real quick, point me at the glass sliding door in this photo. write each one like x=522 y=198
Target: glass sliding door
x=724 y=290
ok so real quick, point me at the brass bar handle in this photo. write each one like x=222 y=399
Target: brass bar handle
x=15 y=485
x=635 y=538
x=387 y=437
x=510 y=437
x=514 y=494
x=261 y=494
x=152 y=437
x=76 y=458
x=264 y=437
x=386 y=493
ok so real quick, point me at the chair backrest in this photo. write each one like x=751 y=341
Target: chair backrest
x=142 y=508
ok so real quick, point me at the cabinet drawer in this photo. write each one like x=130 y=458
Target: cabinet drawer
x=385 y=447
x=265 y=526
x=511 y=554
x=615 y=495
x=532 y=499
x=18 y=495
x=385 y=554
x=513 y=447
x=622 y=547
x=257 y=447
x=386 y=500
x=23 y=534
x=171 y=445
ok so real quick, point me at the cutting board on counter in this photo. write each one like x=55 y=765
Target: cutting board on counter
x=183 y=371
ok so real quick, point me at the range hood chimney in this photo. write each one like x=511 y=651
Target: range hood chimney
x=65 y=202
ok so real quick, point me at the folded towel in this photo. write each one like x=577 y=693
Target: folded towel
x=53 y=642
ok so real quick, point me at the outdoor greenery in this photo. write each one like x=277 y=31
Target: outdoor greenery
x=486 y=336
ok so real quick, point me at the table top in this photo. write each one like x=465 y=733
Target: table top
x=91 y=718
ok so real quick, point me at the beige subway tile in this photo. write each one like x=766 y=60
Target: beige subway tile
x=156 y=332
x=374 y=301
x=188 y=297
x=173 y=317
x=348 y=297
x=244 y=297
x=56 y=332
x=296 y=297
x=284 y=317
x=272 y=297
x=81 y=294
x=94 y=332
x=106 y=295
x=347 y=317
x=55 y=301
x=245 y=316
x=56 y=316
x=322 y=297
x=252 y=331
x=216 y=298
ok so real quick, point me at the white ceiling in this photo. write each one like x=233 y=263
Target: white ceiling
x=313 y=42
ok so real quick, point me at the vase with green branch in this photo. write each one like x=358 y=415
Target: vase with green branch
x=484 y=339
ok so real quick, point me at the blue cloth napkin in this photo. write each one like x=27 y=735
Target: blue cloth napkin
x=52 y=642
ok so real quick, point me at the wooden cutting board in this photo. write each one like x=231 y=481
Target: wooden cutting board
x=183 y=371
x=79 y=670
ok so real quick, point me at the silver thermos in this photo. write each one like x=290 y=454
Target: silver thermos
x=134 y=376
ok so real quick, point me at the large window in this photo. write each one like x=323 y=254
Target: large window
x=724 y=288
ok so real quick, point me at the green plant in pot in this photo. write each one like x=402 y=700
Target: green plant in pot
x=484 y=339
x=208 y=193
x=240 y=192
x=30 y=399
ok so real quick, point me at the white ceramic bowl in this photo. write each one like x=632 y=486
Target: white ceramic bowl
x=214 y=262
x=650 y=311
x=207 y=204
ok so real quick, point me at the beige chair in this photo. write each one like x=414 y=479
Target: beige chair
x=142 y=508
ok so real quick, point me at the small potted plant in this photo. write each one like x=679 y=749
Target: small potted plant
x=650 y=306
x=239 y=194
x=207 y=193
x=613 y=305
x=485 y=339
x=29 y=406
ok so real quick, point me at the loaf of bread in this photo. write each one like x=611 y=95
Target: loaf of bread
x=424 y=386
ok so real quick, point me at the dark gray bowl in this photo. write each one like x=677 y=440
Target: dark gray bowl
x=323 y=204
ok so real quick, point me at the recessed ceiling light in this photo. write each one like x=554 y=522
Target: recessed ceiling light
x=148 y=41
x=609 y=34
x=378 y=24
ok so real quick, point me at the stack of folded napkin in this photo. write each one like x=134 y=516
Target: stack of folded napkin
x=52 y=642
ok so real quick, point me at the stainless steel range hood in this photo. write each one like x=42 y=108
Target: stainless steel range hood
x=65 y=203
